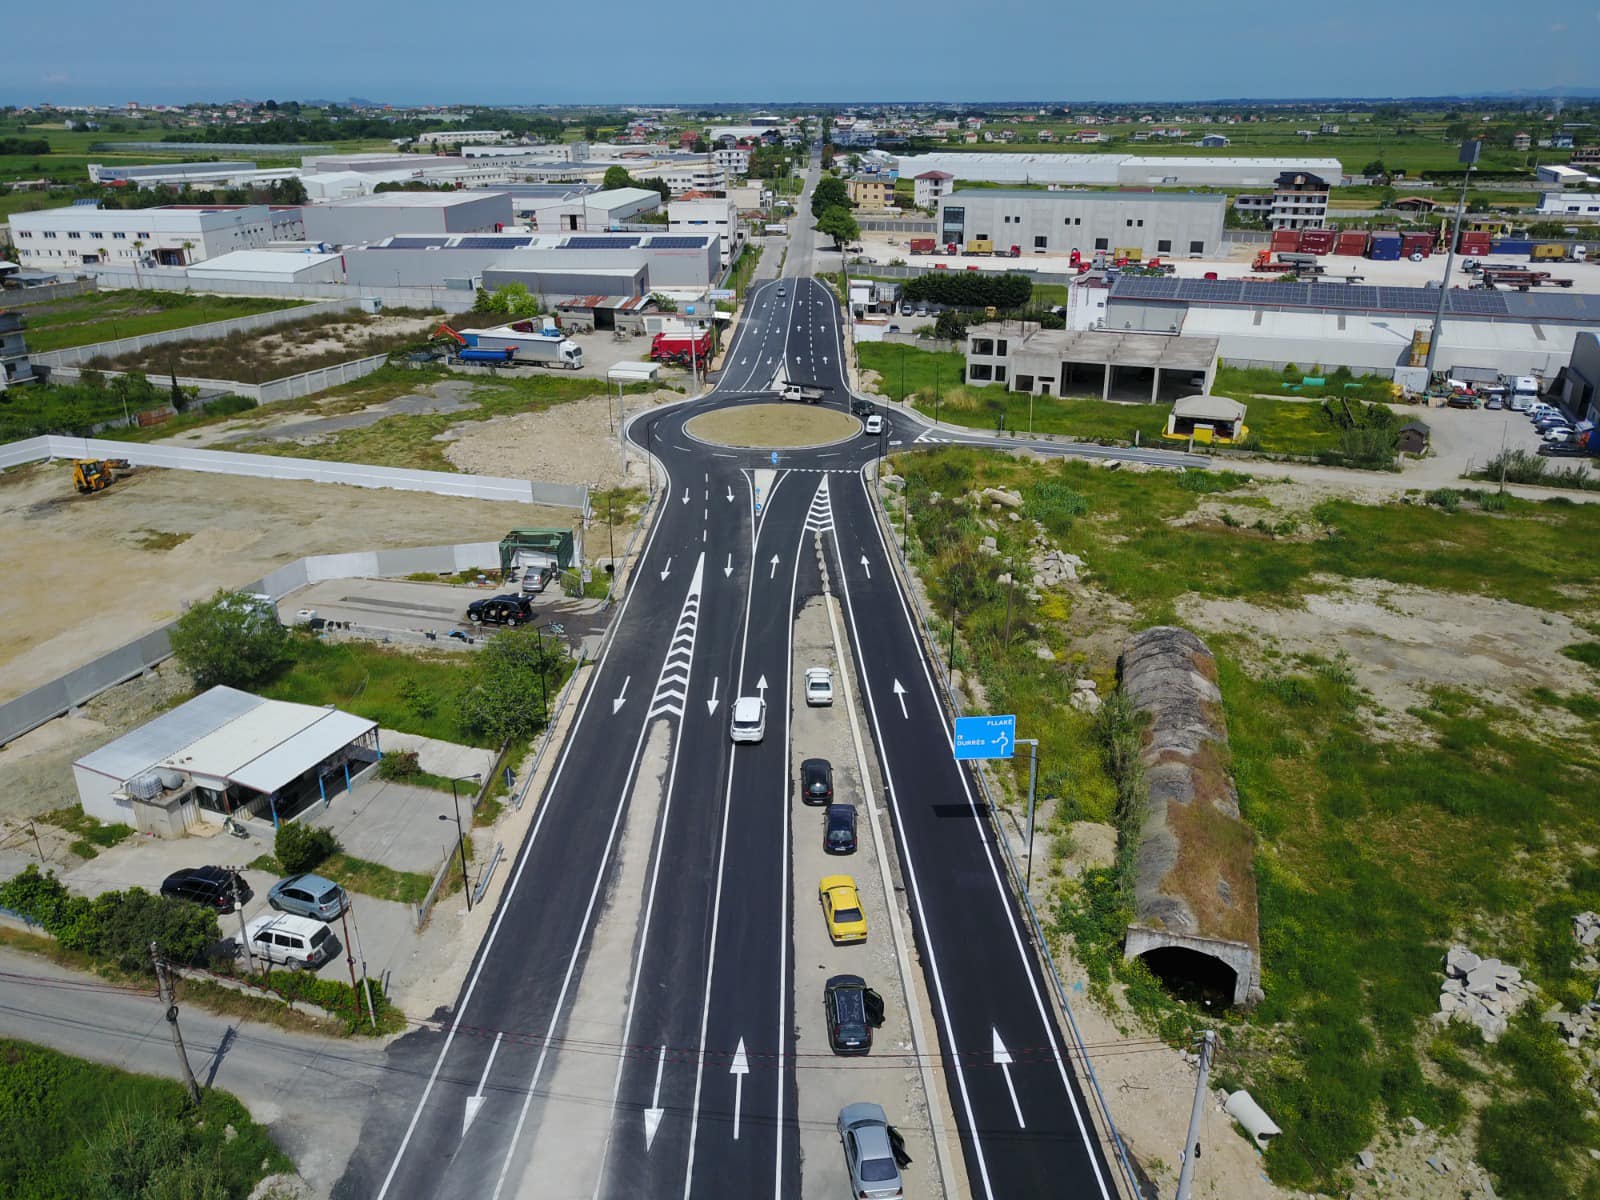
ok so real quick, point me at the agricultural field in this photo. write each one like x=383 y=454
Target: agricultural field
x=1408 y=689
x=107 y=316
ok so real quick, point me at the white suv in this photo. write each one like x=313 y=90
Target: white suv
x=292 y=941
x=819 y=686
x=749 y=722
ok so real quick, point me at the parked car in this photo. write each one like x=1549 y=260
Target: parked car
x=839 y=829
x=862 y=408
x=819 y=687
x=816 y=781
x=309 y=896
x=1560 y=433
x=288 y=940
x=873 y=425
x=749 y=720
x=501 y=610
x=869 y=1153
x=1494 y=402
x=1567 y=449
x=906 y=310
x=841 y=909
x=211 y=886
x=853 y=1011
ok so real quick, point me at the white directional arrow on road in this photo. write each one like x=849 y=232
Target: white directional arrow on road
x=774 y=570
x=728 y=570
x=730 y=493
x=686 y=495
x=475 y=1101
x=761 y=686
x=711 y=704
x=666 y=570
x=900 y=695
x=653 y=1114
x=1002 y=1059
x=739 y=1069
x=866 y=566
x=622 y=697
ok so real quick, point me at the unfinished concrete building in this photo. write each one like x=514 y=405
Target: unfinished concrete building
x=1195 y=918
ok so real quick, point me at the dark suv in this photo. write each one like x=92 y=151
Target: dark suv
x=839 y=829
x=853 y=1011
x=862 y=408
x=501 y=610
x=211 y=886
x=816 y=781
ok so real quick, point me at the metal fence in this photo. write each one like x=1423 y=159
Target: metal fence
x=914 y=270
x=22 y=297
x=49 y=700
x=176 y=279
x=906 y=225
x=75 y=355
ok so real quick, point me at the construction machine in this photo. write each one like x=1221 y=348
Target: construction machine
x=97 y=474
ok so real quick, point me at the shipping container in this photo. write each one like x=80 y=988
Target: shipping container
x=1416 y=243
x=1550 y=250
x=1352 y=242
x=1384 y=247
x=1318 y=241
x=1512 y=246
x=923 y=246
x=1474 y=243
x=1286 y=239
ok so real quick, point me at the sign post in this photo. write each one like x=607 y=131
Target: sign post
x=996 y=737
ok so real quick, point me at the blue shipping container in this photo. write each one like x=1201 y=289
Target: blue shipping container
x=1385 y=247
x=1510 y=246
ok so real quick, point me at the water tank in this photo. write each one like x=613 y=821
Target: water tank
x=144 y=787
x=172 y=780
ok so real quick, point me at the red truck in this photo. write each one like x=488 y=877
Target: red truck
x=681 y=348
x=924 y=246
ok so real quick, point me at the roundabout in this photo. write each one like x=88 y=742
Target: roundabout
x=772 y=426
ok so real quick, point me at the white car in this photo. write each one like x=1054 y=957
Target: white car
x=873 y=426
x=1560 y=433
x=819 y=686
x=749 y=721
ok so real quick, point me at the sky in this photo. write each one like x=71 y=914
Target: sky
x=628 y=51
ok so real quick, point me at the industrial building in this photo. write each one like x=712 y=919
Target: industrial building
x=1371 y=329
x=365 y=219
x=1579 y=384
x=224 y=752
x=269 y=266
x=1181 y=224
x=169 y=235
x=197 y=174
x=1115 y=170
x=1153 y=367
x=1569 y=204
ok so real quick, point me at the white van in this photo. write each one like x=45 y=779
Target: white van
x=289 y=940
x=749 y=722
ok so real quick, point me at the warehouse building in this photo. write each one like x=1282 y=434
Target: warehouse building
x=1371 y=329
x=1181 y=224
x=1113 y=170
x=224 y=752
x=178 y=174
x=366 y=219
x=668 y=261
x=1145 y=367
x=268 y=266
x=169 y=235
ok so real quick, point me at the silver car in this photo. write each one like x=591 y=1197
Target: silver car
x=309 y=896
x=869 y=1153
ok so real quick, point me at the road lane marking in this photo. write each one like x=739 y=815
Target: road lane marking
x=728 y=569
x=622 y=697
x=666 y=570
x=653 y=1114
x=475 y=1101
x=711 y=704
x=866 y=566
x=739 y=1069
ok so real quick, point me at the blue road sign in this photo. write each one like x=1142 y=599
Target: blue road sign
x=986 y=737
x=774 y=458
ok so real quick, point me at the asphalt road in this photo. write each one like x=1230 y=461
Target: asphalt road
x=626 y=1029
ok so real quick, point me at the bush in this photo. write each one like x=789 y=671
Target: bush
x=224 y=406
x=301 y=848
x=117 y=927
x=230 y=639
x=399 y=764
x=971 y=289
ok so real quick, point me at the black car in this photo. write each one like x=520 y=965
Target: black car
x=839 y=829
x=853 y=1011
x=211 y=886
x=816 y=781
x=501 y=610
x=1562 y=450
x=862 y=408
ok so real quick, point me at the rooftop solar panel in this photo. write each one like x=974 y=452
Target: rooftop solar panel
x=601 y=243
x=412 y=243
x=677 y=243
x=488 y=242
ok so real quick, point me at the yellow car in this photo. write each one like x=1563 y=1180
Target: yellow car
x=841 y=908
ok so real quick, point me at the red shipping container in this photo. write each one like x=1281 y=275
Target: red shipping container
x=1317 y=241
x=1474 y=243
x=1353 y=242
x=1416 y=243
x=1285 y=239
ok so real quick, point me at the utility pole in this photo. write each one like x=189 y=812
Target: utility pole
x=164 y=986
x=1191 y=1145
x=349 y=955
x=1033 y=781
x=244 y=939
x=1469 y=157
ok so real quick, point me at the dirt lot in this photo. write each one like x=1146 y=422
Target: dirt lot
x=86 y=574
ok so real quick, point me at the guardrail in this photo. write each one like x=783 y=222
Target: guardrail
x=952 y=703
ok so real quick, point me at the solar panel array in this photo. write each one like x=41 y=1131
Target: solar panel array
x=600 y=243
x=1548 y=305
x=412 y=243
x=677 y=243
x=490 y=242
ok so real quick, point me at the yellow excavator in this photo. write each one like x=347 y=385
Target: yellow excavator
x=97 y=474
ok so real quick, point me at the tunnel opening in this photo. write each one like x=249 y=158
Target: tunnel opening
x=1192 y=976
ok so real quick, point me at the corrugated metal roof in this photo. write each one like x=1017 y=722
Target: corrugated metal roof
x=280 y=764
x=168 y=734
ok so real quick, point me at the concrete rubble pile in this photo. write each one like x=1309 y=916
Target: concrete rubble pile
x=1480 y=991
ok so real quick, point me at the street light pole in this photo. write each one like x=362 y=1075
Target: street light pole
x=1469 y=156
x=461 y=836
x=544 y=698
x=1033 y=779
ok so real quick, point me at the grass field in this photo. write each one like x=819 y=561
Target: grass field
x=107 y=316
x=1373 y=852
x=70 y=1128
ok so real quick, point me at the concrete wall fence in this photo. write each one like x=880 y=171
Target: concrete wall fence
x=76 y=355
x=78 y=686
x=22 y=297
x=306 y=383
x=176 y=279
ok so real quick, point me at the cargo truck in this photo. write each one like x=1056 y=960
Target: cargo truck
x=980 y=246
x=684 y=349
x=1299 y=264
x=516 y=345
x=924 y=246
x=806 y=392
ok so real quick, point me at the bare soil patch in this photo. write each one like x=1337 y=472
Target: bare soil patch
x=776 y=425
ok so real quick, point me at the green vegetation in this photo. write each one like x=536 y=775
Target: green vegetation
x=301 y=848
x=972 y=289
x=1524 y=466
x=70 y=1129
x=93 y=835
x=1374 y=852
x=230 y=639
x=79 y=409
x=107 y=316
x=359 y=875
x=115 y=929
x=743 y=269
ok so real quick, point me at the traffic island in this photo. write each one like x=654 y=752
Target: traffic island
x=773 y=426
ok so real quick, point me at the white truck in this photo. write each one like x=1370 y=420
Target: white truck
x=524 y=347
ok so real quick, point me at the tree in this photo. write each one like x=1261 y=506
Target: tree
x=497 y=701
x=657 y=185
x=616 y=177
x=830 y=193
x=230 y=639
x=699 y=146
x=1374 y=168
x=302 y=848
x=838 y=224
